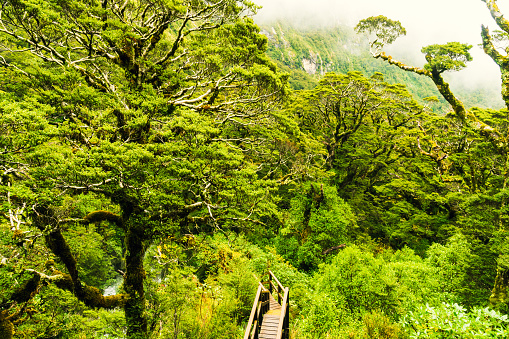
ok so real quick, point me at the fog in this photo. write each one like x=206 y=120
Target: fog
x=427 y=22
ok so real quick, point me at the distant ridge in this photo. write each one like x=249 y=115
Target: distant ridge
x=309 y=52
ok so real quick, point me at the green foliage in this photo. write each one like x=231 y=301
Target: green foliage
x=453 y=321
x=318 y=220
x=94 y=255
x=464 y=271
x=147 y=141
x=57 y=314
x=160 y=111
x=321 y=317
x=368 y=129
x=379 y=326
x=182 y=306
x=359 y=282
x=449 y=57
x=385 y=30
x=362 y=295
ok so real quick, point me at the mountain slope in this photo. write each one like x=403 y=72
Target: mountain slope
x=308 y=53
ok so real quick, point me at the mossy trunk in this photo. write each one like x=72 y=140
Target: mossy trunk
x=134 y=278
x=6 y=326
x=504 y=70
x=445 y=90
x=499 y=293
x=501 y=60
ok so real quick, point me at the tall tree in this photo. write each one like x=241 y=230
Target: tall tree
x=499 y=55
x=158 y=106
x=440 y=58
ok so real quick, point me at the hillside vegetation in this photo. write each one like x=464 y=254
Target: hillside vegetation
x=309 y=52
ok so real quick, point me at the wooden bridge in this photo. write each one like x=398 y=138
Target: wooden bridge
x=269 y=317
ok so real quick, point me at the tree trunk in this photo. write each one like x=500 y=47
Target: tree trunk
x=6 y=326
x=135 y=276
x=445 y=90
x=499 y=293
x=504 y=70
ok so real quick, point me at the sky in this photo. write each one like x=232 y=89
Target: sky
x=426 y=22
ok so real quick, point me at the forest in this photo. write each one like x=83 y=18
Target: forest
x=159 y=157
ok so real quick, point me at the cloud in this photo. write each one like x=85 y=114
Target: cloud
x=430 y=22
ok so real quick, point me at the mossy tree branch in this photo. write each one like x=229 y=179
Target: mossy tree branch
x=56 y=242
x=497 y=15
x=440 y=58
x=98 y=216
x=501 y=60
x=442 y=86
x=499 y=292
x=22 y=296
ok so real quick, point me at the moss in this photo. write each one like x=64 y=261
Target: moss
x=49 y=265
x=27 y=290
x=64 y=281
x=59 y=247
x=90 y=295
x=94 y=298
x=6 y=326
x=97 y=216
x=499 y=293
x=135 y=314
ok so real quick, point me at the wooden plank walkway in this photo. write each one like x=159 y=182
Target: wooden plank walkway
x=270 y=321
x=269 y=317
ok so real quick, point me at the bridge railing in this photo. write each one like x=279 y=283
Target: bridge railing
x=261 y=305
x=283 y=330
x=283 y=298
x=275 y=285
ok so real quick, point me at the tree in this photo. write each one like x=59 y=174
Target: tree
x=368 y=129
x=440 y=58
x=157 y=108
x=497 y=52
x=319 y=222
x=343 y=107
x=21 y=128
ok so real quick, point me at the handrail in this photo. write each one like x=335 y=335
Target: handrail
x=273 y=276
x=283 y=328
x=279 y=287
x=260 y=307
x=253 y=312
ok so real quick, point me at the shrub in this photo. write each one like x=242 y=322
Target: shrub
x=453 y=321
x=465 y=270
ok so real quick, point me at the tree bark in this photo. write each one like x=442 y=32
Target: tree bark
x=444 y=89
x=135 y=276
x=501 y=60
x=6 y=326
x=499 y=292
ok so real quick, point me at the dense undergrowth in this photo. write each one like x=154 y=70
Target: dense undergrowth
x=364 y=290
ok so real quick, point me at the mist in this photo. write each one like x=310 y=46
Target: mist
x=430 y=22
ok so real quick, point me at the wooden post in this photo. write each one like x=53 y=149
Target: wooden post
x=286 y=325
x=252 y=318
x=279 y=294
x=270 y=282
x=283 y=328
